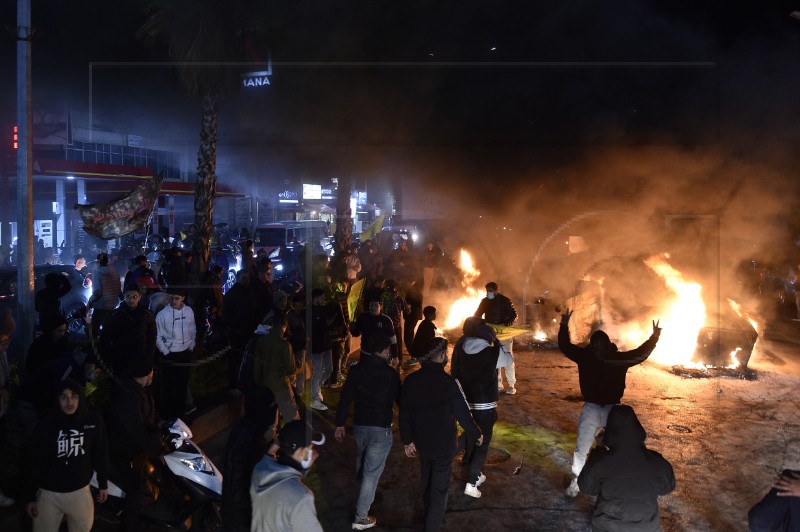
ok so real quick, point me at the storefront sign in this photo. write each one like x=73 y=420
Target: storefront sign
x=312 y=192
x=287 y=196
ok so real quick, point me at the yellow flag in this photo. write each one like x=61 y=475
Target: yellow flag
x=354 y=297
x=505 y=332
x=372 y=229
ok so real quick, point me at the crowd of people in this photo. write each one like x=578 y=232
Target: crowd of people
x=288 y=346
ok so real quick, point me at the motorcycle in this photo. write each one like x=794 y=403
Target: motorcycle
x=185 y=488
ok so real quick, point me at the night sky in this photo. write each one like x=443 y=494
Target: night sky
x=528 y=110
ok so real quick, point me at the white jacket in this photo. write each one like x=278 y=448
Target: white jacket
x=176 y=329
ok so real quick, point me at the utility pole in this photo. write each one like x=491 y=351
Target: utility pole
x=24 y=254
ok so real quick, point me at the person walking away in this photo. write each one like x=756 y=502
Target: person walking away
x=280 y=499
x=248 y=442
x=497 y=309
x=106 y=291
x=176 y=334
x=475 y=367
x=601 y=374
x=412 y=314
x=374 y=387
x=296 y=318
x=430 y=403
x=426 y=332
x=372 y=323
x=394 y=306
x=336 y=302
x=240 y=318
x=626 y=476
x=67 y=447
x=274 y=364
x=321 y=353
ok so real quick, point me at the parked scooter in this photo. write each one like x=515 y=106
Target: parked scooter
x=187 y=490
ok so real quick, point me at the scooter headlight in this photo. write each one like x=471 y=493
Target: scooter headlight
x=197 y=464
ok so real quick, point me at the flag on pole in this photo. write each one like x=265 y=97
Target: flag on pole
x=124 y=215
x=354 y=297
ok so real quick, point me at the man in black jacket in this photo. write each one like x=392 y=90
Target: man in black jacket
x=375 y=323
x=430 y=404
x=498 y=309
x=601 y=373
x=626 y=476
x=248 y=442
x=374 y=387
x=425 y=334
x=128 y=337
x=475 y=367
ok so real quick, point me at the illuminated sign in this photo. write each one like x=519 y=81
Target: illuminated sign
x=312 y=192
x=256 y=79
x=327 y=193
x=16 y=137
x=287 y=196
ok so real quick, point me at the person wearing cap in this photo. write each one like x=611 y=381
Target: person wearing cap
x=601 y=373
x=430 y=403
x=475 y=366
x=128 y=338
x=7 y=326
x=249 y=441
x=373 y=323
x=497 y=309
x=51 y=345
x=374 y=387
x=176 y=332
x=106 y=290
x=280 y=499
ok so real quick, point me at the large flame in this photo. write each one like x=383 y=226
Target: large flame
x=681 y=316
x=464 y=306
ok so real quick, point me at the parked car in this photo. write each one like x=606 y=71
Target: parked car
x=72 y=303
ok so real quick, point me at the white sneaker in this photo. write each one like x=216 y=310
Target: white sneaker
x=511 y=391
x=316 y=404
x=500 y=388
x=481 y=480
x=472 y=491
x=573 y=489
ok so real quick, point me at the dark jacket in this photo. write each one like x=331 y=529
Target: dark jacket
x=430 y=404
x=393 y=306
x=369 y=324
x=626 y=476
x=246 y=446
x=133 y=427
x=43 y=350
x=320 y=329
x=601 y=367
x=128 y=339
x=239 y=314
x=475 y=366
x=47 y=301
x=374 y=387
x=423 y=339
x=64 y=451
x=499 y=310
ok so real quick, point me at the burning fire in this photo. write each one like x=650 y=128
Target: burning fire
x=464 y=306
x=682 y=317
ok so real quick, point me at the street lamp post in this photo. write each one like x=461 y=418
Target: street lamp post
x=24 y=253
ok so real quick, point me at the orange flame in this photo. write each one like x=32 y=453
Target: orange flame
x=681 y=316
x=464 y=306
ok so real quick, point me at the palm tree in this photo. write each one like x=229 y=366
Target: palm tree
x=207 y=39
x=344 y=228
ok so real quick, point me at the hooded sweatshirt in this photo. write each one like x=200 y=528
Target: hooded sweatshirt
x=475 y=366
x=626 y=476
x=601 y=367
x=64 y=451
x=281 y=502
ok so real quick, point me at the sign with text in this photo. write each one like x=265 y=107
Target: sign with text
x=312 y=192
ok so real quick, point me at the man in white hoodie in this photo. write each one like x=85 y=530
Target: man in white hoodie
x=175 y=338
x=475 y=366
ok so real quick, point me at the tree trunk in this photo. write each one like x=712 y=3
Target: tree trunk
x=205 y=188
x=344 y=227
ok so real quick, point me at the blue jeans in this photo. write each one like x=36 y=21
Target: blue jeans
x=372 y=448
x=323 y=365
x=775 y=513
